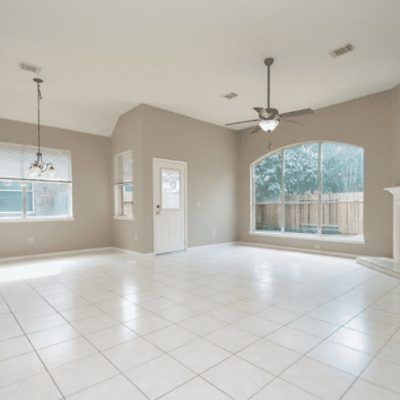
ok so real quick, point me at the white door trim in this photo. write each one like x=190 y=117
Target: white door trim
x=185 y=208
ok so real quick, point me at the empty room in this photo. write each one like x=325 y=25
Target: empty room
x=199 y=200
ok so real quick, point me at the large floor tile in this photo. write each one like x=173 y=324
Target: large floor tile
x=257 y=326
x=314 y=326
x=340 y=357
x=231 y=339
x=144 y=325
x=237 y=378
x=196 y=389
x=170 y=338
x=269 y=356
x=18 y=368
x=293 y=339
x=281 y=390
x=202 y=325
x=83 y=373
x=37 y=387
x=14 y=347
x=362 y=390
x=118 y=388
x=9 y=331
x=130 y=354
x=383 y=373
x=159 y=376
x=356 y=340
x=199 y=355
x=52 y=336
x=321 y=380
x=94 y=324
x=65 y=352
x=110 y=337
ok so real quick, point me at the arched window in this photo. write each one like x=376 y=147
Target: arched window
x=311 y=188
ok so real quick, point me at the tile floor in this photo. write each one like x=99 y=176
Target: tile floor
x=224 y=322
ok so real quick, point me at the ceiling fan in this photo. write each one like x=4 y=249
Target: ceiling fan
x=269 y=118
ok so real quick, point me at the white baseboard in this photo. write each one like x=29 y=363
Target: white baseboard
x=53 y=254
x=206 y=246
x=132 y=251
x=299 y=250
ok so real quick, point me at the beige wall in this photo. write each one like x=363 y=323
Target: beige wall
x=395 y=99
x=218 y=176
x=91 y=170
x=365 y=122
x=128 y=135
x=211 y=155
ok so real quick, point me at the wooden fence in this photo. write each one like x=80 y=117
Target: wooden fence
x=341 y=213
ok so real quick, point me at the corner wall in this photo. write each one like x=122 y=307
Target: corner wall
x=91 y=172
x=211 y=155
x=365 y=122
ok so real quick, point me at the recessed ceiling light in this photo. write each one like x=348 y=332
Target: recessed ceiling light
x=342 y=50
x=230 y=95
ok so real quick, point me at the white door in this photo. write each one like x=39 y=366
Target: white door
x=169 y=201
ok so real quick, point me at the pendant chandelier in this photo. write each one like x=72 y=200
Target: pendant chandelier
x=39 y=168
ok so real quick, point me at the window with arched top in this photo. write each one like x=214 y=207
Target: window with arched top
x=310 y=188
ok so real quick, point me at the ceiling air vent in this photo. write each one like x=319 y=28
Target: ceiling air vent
x=342 y=50
x=30 y=68
x=230 y=95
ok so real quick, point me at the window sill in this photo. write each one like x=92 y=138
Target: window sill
x=39 y=219
x=121 y=218
x=313 y=237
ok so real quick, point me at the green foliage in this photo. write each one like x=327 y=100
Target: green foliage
x=341 y=171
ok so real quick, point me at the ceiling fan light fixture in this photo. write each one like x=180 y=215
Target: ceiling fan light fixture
x=268 y=125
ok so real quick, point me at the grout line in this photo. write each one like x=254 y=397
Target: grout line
x=34 y=350
x=201 y=312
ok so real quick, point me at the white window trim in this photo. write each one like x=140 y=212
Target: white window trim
x=118 y=185
x=318 y=237
x=26 y=218
x=311 y=236
x=36 y=219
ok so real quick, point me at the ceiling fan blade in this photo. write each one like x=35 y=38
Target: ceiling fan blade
x=291 y=122
x=242 y=122
x=297 y=113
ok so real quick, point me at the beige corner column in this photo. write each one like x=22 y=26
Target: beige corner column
x=395 y=191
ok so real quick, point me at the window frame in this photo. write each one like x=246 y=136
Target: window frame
x=118 y=187
x=281 y=233
x=24 y=217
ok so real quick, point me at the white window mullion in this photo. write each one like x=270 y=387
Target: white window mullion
x=283 y=193
x=319 y=229
x=24 y=202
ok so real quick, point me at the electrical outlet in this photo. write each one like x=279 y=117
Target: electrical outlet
x=213 y=232
x=317 y=247
x=31 y=239
x=135 y=237
x=198 y=204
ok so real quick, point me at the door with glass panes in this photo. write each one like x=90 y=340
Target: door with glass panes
x=169 y=205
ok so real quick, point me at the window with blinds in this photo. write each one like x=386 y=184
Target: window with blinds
x=25 y=198
x=123 y=185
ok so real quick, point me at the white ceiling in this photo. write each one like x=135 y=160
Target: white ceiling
x=101 y=58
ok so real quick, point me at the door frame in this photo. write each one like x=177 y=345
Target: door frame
x=184 y=164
